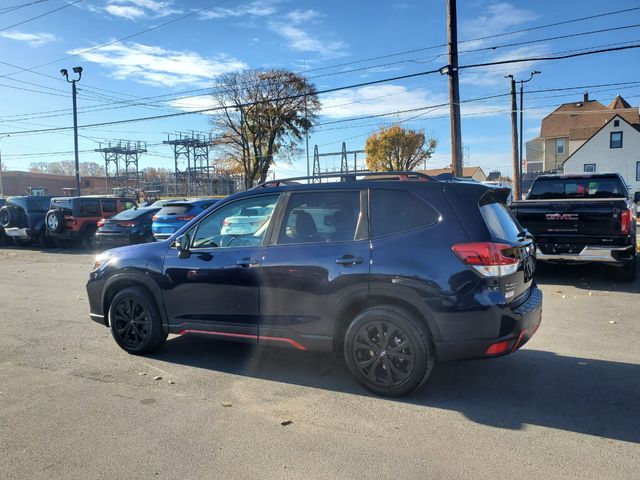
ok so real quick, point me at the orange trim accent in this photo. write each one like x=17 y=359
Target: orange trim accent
x=291 y=342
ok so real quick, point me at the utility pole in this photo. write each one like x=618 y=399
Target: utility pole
x=74 y=93
x=522 y=82
x=454 y=91
x=514 y=139
x=1 y=186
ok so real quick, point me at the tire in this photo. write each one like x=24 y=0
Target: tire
x=9 y=216
x=380 y=366
x=55 y=221
x=140 y=336
x=88 y=238
x=627 y=273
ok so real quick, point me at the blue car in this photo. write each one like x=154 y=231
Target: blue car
x=175 y=215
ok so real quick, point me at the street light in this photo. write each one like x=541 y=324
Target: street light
x=522 y=82
x=65 y=74
x=1 y=188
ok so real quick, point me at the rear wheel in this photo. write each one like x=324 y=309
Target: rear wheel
x=89 y=238
x=388 y=351
x=135 y=321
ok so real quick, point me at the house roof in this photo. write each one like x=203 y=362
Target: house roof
x=466 y=171
x=580 y=120
x=597 y=131
x=494 y=175
x=619 y=103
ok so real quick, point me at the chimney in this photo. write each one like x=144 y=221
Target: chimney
x=586 y=97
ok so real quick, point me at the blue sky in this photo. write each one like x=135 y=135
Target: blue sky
x=325 y=39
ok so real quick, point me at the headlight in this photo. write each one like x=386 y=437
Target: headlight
x=102 y=260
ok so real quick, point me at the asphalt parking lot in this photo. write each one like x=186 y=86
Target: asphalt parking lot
x=73 y=405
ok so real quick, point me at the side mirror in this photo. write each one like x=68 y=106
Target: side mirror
x=636 y=197
x=182 y=244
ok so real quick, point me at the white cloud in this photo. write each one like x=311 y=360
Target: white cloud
x=499 y=18
x=135 y=9
x=254 y=9
x=158 y=66
x=295 y=30
x=190 y=104
x=32 y=39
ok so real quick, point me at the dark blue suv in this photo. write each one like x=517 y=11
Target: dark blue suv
x=394 y=271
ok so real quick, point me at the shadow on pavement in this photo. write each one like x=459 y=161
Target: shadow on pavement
x=530 y=387
x=586 y=276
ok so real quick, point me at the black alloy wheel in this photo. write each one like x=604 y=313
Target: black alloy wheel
x=135 y=321
x=387 y=351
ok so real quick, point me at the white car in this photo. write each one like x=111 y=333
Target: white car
x=247 y=221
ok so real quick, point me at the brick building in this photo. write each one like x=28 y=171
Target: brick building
x=24 y=183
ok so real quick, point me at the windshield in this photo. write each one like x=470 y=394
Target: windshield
x=588 y=187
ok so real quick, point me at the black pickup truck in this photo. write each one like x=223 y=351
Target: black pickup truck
x=582 y=218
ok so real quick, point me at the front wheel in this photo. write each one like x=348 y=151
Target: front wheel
x=389 y=351
x=135 y=321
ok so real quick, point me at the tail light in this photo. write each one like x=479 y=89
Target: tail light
x=154 y=218
x=487 y=258
x=126 y=224
x=625 y=222
x=185 y=217
x=226 y=223
x=100 y=223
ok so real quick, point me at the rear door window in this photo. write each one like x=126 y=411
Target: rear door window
x=321 y=217
x=109 y=205
x=395 y=211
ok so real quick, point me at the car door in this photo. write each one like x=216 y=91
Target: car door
x=316 y=263
x=215 y=287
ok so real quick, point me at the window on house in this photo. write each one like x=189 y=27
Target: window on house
x=590 y=167
x=637 y=171
x=560 y=146
x=616 y=123
x=615 y=140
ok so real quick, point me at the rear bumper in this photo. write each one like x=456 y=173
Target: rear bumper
x=20 y=233
x=525 y=319
x=113 y=240
x=590 y=254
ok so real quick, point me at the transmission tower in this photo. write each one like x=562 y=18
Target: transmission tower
x=121 y=164
x=344 y=160
x=193 y=172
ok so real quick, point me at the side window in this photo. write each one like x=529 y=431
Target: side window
x=228 y=227
x=126 y=205
x=89 y=207
x=394 y=211
x=109 y=206
x=320 y=217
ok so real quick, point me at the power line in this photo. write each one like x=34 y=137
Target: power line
x=18 y=7
x=40 y=16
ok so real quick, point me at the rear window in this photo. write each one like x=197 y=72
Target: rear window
x=131 y=214
x=65 y=205
x=500 y=222
x=559 y=188
x=394 y=211
x=174 y=209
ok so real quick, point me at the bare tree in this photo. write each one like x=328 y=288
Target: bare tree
x=263 y=112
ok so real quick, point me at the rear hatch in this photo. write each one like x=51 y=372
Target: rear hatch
x=171 y=217
x=505 y=230
x=564 y=207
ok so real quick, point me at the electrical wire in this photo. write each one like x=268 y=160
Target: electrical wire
x=40 y=16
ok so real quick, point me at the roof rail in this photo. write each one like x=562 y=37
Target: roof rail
x=352 y=177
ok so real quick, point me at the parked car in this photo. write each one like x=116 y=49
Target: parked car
x=3 y=236
x=74 y=220
x=176 y=214
x=22 y=218
x=126 y=228
x=404 y=273
x=246 y=220
x=580 y=218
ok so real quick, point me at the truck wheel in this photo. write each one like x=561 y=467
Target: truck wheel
x=135 y=321
x=388 y=351
x=89 y=238
x=55 y=221
x=9 y=216
x=627 y=273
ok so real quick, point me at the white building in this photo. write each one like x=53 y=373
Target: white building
x=615 y=147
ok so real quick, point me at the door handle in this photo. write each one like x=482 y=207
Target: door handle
x=348 y=260
x=247 y=262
